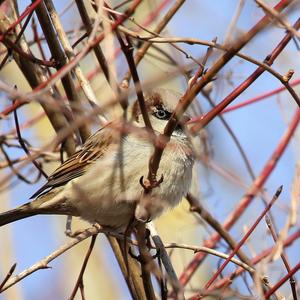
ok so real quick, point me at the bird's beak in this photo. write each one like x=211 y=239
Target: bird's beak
x=183 y=121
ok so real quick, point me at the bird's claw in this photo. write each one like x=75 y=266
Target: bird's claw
x=148 y=185
x=139 y=258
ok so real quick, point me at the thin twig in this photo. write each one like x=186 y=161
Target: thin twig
x=67 y=48
x=203 y=121
x=14 y=170
x=128 y=52
x=160 y=26
x=29 y=56
x=282 y=281
x=47 y=24
x=43 y=264
x=207 y=250
x=249 y=196
x=79 y=281
x=17 y=39
x=195 y=206
x=287 y=242
x=8 y=275
x=178 y=290
x=273 y=13
x=195 y=41
x=147 y=262
x=36 y=164
x=260 y=97
x=283 y=257
x=233 y=136
x=246 y=236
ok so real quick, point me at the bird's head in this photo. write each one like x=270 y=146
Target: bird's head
x=160 y=105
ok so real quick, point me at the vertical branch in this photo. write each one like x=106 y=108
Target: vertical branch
x=283 y=257
x=67 y=49
x=61 y=58
x=79 y=282
x=128 y=52
x=133 y=275
x=146 y=261
x=34 y=74
x=178 y=289
x=22 y=144
x=88 y=26
x=160 y=26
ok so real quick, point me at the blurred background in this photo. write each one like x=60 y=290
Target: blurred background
x=221 y=176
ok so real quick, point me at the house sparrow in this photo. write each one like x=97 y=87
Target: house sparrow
x=101 y=182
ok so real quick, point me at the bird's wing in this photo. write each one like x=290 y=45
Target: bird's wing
x=77 y=164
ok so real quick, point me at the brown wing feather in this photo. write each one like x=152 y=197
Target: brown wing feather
x=77 y=164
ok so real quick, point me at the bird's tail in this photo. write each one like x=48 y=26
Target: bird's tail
x=15 y=215
x=45 y=204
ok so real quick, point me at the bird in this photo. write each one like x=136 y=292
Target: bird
x=101 y=181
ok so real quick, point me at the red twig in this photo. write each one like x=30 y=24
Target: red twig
x=96 y=41
x=186 y=100
x=292 y=238
x=13 y=46
x=244 y=239
x=204 y=120
x=284 y=257
x=17 y=40
x=18 y=103
x=26 y=12
x=247 y=199
x=260 y=97
x=282 y=281
x=224 y=281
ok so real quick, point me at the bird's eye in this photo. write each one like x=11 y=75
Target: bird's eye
x=162 y=114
